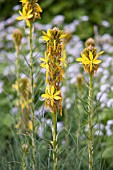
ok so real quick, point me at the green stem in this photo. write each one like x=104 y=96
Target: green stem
x=32 y=105
x=90 y=135
x=54 y=133
x=18 y=75
x=24 y=161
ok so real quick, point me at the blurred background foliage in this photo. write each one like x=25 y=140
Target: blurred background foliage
x=97 y=11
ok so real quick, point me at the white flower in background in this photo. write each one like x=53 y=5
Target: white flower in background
x=1 y=86
x=108 y=130
x=98 y=133
x=110 y=122
x=105 y=87
x=110 y=103
x=106 y=23
x=58 y=20
x=84 y=18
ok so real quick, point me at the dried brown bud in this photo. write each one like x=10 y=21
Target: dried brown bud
x=56 y=29
x=80 y=80
x=90 y=42
x=17 y=37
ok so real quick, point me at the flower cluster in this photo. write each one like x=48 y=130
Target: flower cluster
x=25 y=103
x=30 y=12
x=54 y=64
x=90 y=56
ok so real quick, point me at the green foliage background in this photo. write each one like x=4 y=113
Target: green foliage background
x=96 y=11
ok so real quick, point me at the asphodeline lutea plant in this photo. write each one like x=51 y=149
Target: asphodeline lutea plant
x=17 y=38
x=24 y=124
x=54 y=63
x=90 y=61
x=30 y=12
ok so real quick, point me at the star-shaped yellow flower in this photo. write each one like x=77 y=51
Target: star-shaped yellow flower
x=45 y=65
x=25 y=15
x=63 y=59
x=47 y=36
x=51 y=94
x=91 y=60
x=53 y=34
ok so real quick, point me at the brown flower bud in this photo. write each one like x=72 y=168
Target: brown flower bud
x=90 y=42
x=17 y=37
x=80 y=81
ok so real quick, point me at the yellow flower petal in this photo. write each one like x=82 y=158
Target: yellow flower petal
x=28 y=23
x=57 y=93
x=52 y=89
x=43 y=65
x=57 y=97
x=96 y=61
x=45 y=38
x=86 y=62
x=42 y=59
x=90 y=55
x=79 y=59
x=19 y=18
x=45 y=96
x=63 y=36
x=90 y=67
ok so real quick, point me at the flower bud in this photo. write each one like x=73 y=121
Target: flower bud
x=90 y=42
x=17 y=37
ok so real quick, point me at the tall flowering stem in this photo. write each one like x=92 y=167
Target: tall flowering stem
x=54 y=62
x=17 y=37
x=30 y=12
x=91 y=63
x=32 y=99
x=90 y=123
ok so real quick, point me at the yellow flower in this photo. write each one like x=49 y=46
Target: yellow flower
x=91 y=60
x=30 y=125
x=51 y=95
x=25 y=103
x=53 y=34
x=63 y=59
x=25 y=15
x=45 y=65
x=47 y=36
